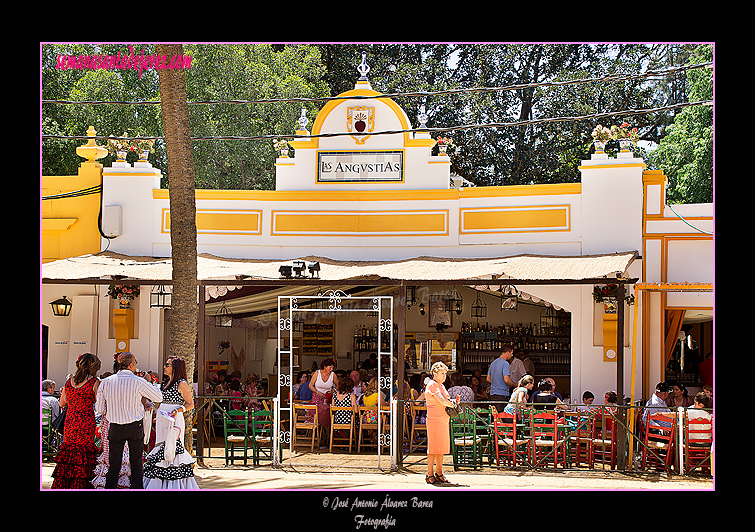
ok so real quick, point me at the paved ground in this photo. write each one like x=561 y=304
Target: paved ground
x=338 y=472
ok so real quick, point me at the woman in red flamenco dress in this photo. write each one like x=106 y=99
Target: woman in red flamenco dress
x=77 y=456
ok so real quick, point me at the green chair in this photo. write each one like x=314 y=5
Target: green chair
x=485 y=420
x=237 y=436
x=467 y=439
x=261 y=434
x=49 y=447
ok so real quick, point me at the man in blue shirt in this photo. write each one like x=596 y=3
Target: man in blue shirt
x=499 y=377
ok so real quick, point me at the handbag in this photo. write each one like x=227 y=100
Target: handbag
x=59 y=422
x=453 y=411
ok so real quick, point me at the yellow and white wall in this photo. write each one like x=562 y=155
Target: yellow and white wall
x=618 y=206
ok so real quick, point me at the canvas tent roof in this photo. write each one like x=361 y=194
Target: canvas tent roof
x=532 y=268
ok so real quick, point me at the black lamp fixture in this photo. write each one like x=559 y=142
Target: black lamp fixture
x=223 y=317
x=314 y=269
x=299 y=267
x=411 y=296
x=454 y=303
x=509 y=297
x=479 y=308
x=160 y=297
x=61 y=307
x=421 y=309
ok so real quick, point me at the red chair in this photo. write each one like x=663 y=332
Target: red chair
x=581 y=426
x=658 y=441
x=698 y=443
x=546 y=441
x=509 y=444
x=604 y=441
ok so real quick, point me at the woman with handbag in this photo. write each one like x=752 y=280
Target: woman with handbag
x=438 y=436
x=77 y=456
x=169 y=464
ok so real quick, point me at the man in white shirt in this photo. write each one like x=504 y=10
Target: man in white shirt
x=657 y=403
x=119 y=397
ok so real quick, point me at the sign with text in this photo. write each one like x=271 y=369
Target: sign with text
x=360 y=166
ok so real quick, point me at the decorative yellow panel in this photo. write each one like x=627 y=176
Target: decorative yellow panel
x=222 y=222
x=354 y=223
x=515 y=219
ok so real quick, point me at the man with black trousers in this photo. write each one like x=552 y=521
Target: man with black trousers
x=119 y=397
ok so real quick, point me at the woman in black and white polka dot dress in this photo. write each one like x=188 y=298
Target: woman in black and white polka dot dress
x=177 y=472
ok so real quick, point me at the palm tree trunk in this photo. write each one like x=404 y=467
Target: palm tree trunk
x=183 y=227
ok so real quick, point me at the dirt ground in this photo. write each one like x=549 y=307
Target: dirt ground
x=325 y=471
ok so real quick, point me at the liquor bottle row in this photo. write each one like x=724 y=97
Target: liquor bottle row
x=562 y=345
x=560 y=328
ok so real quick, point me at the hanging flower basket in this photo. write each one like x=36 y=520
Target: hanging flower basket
x=608 y=295
x=125 y=294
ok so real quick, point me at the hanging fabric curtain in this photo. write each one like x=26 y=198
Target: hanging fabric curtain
x=674 y=320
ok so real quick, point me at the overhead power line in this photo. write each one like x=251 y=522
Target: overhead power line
x=602 y=79
x=518 y=123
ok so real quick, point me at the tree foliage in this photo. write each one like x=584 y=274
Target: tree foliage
x=685 y=154
x=509 y=153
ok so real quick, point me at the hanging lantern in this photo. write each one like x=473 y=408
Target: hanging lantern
x=223 y=317
x=479 y=308
x=509 y=297
x=454 y=302
x=160 y=297
x=61 y=307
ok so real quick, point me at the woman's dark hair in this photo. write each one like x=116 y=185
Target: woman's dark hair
x=682 y=387
x=235 y=384
x=545 y=385
x=345 y=385
x=327 y=362
x=612 y=397
x=87 y=364
x=179 y=371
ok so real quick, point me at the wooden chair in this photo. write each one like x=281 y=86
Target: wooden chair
x=306 y=425
x=545 y=441
x=581 y=426
x=509 y=444
x=261 y=433
x=418 y=428
x=698 y=444
x=236 y=435
x=367 y=427
x=336 y=440
x=658 y=441
x=604 y=441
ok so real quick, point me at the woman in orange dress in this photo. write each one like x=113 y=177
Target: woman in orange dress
x=438 y=436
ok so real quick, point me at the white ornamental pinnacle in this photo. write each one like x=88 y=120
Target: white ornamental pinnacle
x=363 y=68
x=303 y=120
x=422 y=117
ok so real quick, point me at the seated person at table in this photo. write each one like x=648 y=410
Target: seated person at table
x=545 y=398
x=519 y=395
x=304 y=392
x=587 y=399
x=701 y=401
x=657 y=403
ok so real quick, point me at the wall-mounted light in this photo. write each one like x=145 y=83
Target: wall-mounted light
x=421 y=309
x=61 y=307
x=411 y=296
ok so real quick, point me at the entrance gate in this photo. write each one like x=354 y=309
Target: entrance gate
x=327 y=303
